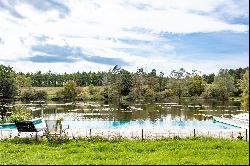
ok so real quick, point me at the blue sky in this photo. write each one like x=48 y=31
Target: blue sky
x=95 y=35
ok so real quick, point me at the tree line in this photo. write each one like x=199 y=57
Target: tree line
x=120 y=84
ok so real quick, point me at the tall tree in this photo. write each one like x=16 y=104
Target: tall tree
x=223 y=85
x=7 y=82
x=69 y=90
x=179 y=81
x=197 y=85
x=244 y=86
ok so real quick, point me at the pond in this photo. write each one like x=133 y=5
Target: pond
x=99 y=115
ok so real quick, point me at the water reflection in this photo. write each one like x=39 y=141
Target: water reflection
x=109 y=115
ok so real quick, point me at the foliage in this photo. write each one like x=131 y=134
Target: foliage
x=208 y=91
x=40 y=95
x=223 y=85
x=237 y=75
x=152 y=80
x=179 y=82
x=83 y=95
x=197 y=86
x=96 y=151
x=149 y=94
x=166 y=94
x=69 y=90
x=22 y=81
x=27 y=95
x=244 y=86
x=7 y=82
x=119 y=84
x=209 y=78
x=19 y=115
x=7 y=88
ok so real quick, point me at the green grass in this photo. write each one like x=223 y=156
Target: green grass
x=100 y=151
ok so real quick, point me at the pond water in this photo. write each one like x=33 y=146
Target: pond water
x=99 y=115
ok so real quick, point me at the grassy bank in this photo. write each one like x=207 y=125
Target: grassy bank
x=94 y=151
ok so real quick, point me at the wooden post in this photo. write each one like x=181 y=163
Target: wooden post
x=142 y=134
x=246 y=134
x=194 y=132
x=90 y=132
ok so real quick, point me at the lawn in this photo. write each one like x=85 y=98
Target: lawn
x=100 y=151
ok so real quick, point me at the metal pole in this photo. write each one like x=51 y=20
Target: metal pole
x=194 y=132
x=90 y=132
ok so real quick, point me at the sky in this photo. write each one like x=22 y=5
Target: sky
x=95 y=35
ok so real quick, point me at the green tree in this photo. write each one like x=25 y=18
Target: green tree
x=69 y=90
x=23 y=81
x=153 y=81
x=197 y=86
x=223 y=85
x=138 y=84
x=40 y=95
x=244 y=86
x=7 y=82
x=209 y=78
x=179 y=82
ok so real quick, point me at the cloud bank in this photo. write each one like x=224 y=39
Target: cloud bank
x=77 y=35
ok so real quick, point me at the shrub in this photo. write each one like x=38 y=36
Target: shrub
x=84 y=95
x=40 y=95
x=70 y=90
x=59 y=95
x=27 y=95
x=167 y=93
x=150 y=94
x=19 y=115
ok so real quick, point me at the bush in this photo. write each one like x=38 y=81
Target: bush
x=69 y=92
x=30 y=94
x=59 y=95
x=167 y=93
x=7 y=88
x=40 y=95
x=150 y=94
x=83 y=96
x=19 y=115
x=104 y=94
x=27 y=95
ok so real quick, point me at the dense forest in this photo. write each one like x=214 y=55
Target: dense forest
x=119 y=84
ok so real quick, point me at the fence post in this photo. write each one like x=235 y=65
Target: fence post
x=194 y=132
x=89 y=132
x=142 y=134
x=246 y=134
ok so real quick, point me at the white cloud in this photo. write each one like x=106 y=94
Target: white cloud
x=96 y=25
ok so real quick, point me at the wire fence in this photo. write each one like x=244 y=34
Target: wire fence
x=138 y=133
